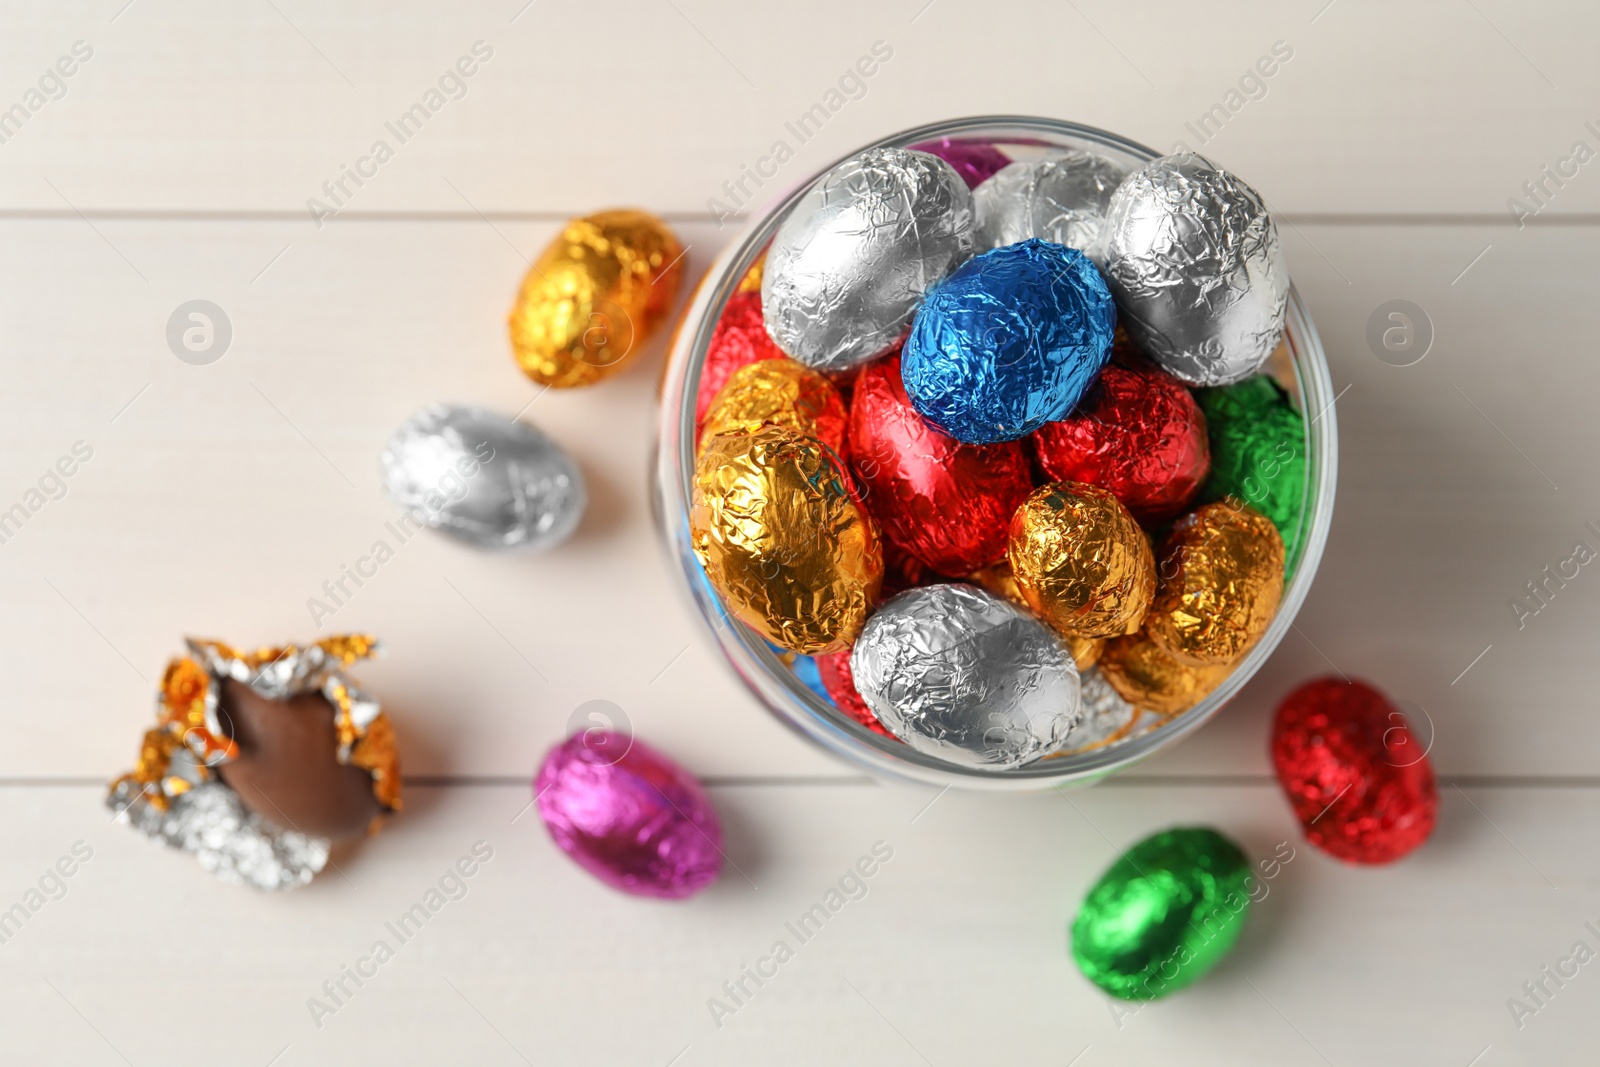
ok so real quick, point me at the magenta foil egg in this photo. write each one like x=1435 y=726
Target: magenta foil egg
x=629 y=815
x=975 y=161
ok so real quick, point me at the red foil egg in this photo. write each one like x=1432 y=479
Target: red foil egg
x=834 y=667
x=947 y=503
x=739 y=340
x=1358 y=779
x=1138 y=434
x=902 y=571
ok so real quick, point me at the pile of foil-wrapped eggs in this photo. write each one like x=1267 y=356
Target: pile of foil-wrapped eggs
x=988 y=449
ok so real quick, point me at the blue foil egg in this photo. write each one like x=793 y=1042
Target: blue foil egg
x=805 y=669
x=1009 y=341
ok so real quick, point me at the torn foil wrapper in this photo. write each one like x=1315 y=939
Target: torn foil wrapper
x=175 y=795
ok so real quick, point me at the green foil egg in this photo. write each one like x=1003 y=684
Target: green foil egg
x=1258 y=454
x=1163 y=915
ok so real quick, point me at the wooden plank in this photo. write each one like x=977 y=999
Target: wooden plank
x=1434 y=106
x=956 y=953
x=224 y=496
x=217 y=500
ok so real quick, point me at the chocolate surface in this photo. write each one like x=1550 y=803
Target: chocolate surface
x=287 y=771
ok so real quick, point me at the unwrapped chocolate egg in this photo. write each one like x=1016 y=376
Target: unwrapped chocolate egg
x=594 y=296
x=1221 y=576
x=1139 y=434
x=1164 y=914
x=629 y=815
x=947 y=503
x=776 y=523
x=1258 y=453
x=778 y=392
x=1081 y=561
x=1148 y=677
x=855 y=256
x=739 y=339
x=960 y=674
x=1359 y=780
x=1194 y=260
x=260 y=759
x=482 y=478
x=1010 y=341
x=287 y=768
x=1061 y=199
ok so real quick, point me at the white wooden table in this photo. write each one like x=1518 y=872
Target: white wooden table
x=176 y=162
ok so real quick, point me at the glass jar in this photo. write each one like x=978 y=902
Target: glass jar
x=1304 y=374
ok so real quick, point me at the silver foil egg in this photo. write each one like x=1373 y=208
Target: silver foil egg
x=1062 y=199
x=851 y=262
x=482 y=478
x=960 y=674
x=1194 y=261
x=1106 y=716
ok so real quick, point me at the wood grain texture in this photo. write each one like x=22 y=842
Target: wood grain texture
x=955 y=954
x=1422 y=107
x=223 y=497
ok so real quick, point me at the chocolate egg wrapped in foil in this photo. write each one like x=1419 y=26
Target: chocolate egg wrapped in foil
x=1258 y=453
x=1063 y=199
x=1148 y=677
x=834 y=670
x=778 y=392
x=902 y=571
x=1221 y=576
x=962 y=675
x=751 y=282
x=629 y=815
x=1000 y=580
x=594 y=296
x=739 y=339
x=855 y=256
x=1358 y=779
x=776 y=523
x=976 y=161
x=1194 y=260
x=1009 y=342
x=1166 y=912
x=1138 y=433
x=945 y=502
x=482 y=478
x=1081 y=561
x=1107 y=717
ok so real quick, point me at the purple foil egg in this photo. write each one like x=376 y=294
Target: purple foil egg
x=629 y=815
x=975 y=161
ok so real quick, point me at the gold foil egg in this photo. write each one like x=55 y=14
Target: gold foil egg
x=778 y=392
x=777 y=525
x=1081 y=561
x=594 y=296
x=1221 y=578
x=999 y=580
x=1144 y=675
x=751 y=282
